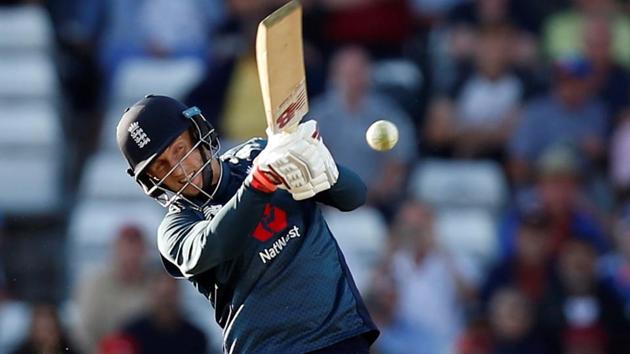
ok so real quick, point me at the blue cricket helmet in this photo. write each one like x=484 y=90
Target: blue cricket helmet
x=149 y=126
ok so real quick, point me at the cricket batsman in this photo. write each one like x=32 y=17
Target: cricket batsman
x=247 y=230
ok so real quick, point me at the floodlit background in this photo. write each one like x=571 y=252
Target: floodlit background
x=499 y=224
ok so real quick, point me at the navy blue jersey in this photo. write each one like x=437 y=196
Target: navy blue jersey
x=268 y=264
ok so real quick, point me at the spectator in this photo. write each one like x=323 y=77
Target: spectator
x=80 y=84
x=557 y=193
x=580 y=310
x=480 y=13
x=563 y=31
x=232 y=79
x=610 y=80
x=14 y=314
x=3 y=280
x=433 y=289
x=452 y=44
x=488 y=98
x=14 y=317
x=508 y=327
x=529 y=270
x=3 y=276
x=531 y=16
x=346 y=112
x=568 y=115
x=380 y=26
x=432 y=10
x=468 y=16
x=512 y=323
x=585 y=341
x=110 y=297
x=477 y=337
x=362 y=254
x=46 y=334
x=163 y=329
x=619 y=152
x=149 y=29
x=615 y=267
x=438 y=137
x=397 y=335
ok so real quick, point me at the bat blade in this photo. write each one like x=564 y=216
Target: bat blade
x=280 y=59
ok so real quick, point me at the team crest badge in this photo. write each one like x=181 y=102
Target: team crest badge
x=138 y=135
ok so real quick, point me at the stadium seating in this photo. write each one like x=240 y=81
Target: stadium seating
x=139 y=77
x=468 y=232
x=30 y=181
x=30 y=135
x=108 y=200
x=15 y=322
x=95 y=223
x=362 y=235
x=402 y=81
x=105 y=178
x=27 y=76
x=398 y=73
x=24 y=28
x=172 y=77
x=29 y=156
x=448 y=184
x=467 y=197
x=29 y=124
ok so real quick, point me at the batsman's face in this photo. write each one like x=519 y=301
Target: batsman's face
x=179 y=166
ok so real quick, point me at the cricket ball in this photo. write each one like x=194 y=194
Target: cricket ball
x=382 y=135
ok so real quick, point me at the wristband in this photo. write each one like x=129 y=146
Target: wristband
x=261 y=181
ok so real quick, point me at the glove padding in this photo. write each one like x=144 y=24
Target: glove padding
x=332 y=173
x=299 y=161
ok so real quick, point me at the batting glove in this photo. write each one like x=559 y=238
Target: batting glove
x=332 y=173
x=296 y=161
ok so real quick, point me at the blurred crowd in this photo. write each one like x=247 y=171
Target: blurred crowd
x=500 y=223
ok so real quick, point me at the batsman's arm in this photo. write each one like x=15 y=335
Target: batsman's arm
x=195 y=245
x=347 y=194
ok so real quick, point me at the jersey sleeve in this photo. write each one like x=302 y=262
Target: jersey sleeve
x=347 y=194
x=195 y=245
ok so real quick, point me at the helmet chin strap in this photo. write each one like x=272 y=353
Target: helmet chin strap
x=208 y=175
x=209 y=190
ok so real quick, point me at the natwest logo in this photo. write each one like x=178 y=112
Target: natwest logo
x=274 y=220
x=270 y=253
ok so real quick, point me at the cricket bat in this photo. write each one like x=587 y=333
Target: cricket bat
x=280 y=60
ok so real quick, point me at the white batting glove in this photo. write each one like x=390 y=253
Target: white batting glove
x=323 y=159
x=295 y=159
x=332 y=173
